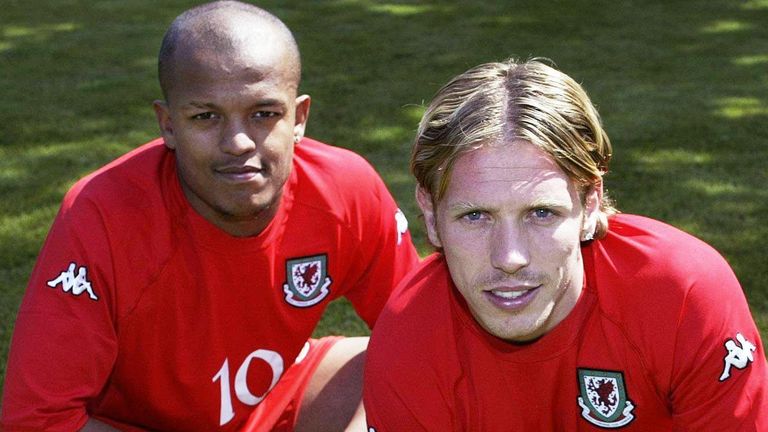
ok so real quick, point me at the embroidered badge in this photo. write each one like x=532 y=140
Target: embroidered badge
x=76 y=284
x=306 y=280
x=603 y=399
x=737 y=356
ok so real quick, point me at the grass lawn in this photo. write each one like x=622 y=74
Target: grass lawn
x=681 y=85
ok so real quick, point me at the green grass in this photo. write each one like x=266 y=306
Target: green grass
x=681 y=85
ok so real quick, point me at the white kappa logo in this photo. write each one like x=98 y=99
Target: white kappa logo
x=738 y=356
x=402 y=225
x=76 y=284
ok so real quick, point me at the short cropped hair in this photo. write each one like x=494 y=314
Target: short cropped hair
x=496 y=103
x=196 y=22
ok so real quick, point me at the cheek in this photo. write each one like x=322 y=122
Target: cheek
x=280 y=132
x=278 y=143
x=282 y=157
x=464 y=272
x=561 y=250
x=192 y=162
x=456 y=239
x=467 y=253
x=194 y=147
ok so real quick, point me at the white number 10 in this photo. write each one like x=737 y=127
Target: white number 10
x=242 y=391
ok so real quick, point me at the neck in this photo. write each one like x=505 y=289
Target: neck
x=247 y=226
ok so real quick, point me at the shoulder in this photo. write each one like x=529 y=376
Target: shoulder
x=672 y=296
x=112 y=225
x=647 y=263
x=129 y=181
x=323 y=155
x=124 y=205
x=650 y=276
x=413 y=358
x=640 y=250
x=343 y=185
x=650 y=267
x=416 y=315
x=651 y=235
x=334 y=169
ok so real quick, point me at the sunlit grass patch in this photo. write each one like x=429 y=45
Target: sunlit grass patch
x=740 y=107
x=726 y=26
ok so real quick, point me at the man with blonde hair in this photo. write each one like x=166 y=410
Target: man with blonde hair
x=179 y=285
x=543 y=309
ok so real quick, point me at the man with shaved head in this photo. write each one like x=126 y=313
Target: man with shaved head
x=180 y=284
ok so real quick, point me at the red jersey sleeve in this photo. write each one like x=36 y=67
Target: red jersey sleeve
x=409 y=373
x=403 y=395
x=392 y=409
x=719 y=375
x=386 y=249
x=64 y=342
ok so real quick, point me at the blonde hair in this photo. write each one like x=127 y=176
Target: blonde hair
x=502 y=102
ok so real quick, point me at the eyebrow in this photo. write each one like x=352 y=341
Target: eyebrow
x=463 y=206
x=259 y=103
x=194 y=104
x=547 y=202
x=269 y=102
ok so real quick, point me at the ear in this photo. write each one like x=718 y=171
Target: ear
x=427 y=206
x=163 y=114
x=302 y=115
x=592 y=200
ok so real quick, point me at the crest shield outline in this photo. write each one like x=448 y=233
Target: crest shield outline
x=307 y=280
x=603 y=398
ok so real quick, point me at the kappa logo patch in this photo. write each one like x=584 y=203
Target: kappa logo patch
x=307 y=280
x=74 y=283
x=402 y=225
x=603 y=398
x=738 y=356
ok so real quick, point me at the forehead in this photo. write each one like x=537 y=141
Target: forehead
x=215 y=62
x=213 y=76
x=518 y=171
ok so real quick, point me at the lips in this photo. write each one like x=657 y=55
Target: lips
x=509 y=295
x=241 y=173
x=512 y=298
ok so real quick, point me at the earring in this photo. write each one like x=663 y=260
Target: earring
x=587 y=236
x=296 y=138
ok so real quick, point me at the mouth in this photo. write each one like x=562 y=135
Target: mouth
x=511 y=298
x=241 y=173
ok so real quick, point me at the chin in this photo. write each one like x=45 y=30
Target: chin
x=249 y=213
x=518 y=338
x=517 y=333
x=250 y=205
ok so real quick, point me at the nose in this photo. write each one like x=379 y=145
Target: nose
x=509 y=247
x=236 y=139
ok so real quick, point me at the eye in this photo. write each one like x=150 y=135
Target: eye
x=473 y=216
x=266 y=114
x=543 y=215
x=204 y=116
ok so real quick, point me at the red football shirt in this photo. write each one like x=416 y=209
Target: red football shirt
x=141 y=313
x=661 y=339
